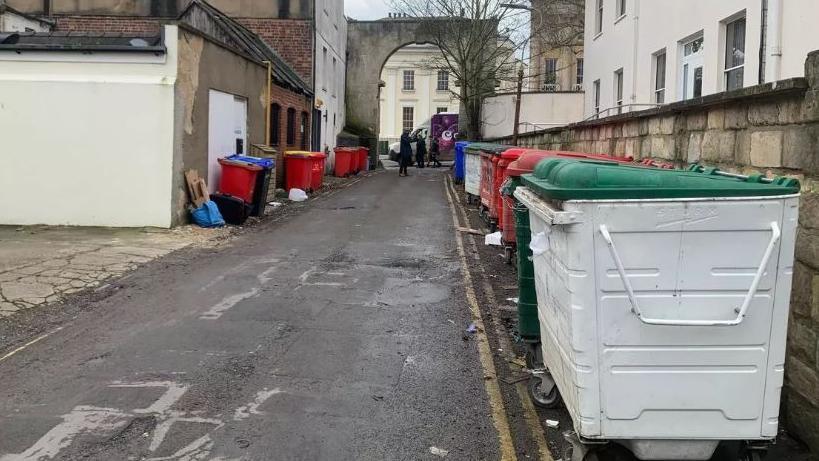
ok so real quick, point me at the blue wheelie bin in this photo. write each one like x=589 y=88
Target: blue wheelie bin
x=460 y=161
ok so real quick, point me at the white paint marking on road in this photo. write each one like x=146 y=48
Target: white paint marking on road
x=306 y=274
x=162 y=429
x=82 y=419
x=174 y=392
x=198 y=450
x=265 y=276
x=227 y=303
x=28 y=344
x=252 y=408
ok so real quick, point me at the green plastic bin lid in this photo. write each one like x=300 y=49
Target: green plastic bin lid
x=496 y=149
x=566 y=179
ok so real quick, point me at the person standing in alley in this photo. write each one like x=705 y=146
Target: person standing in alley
x=405 y=154
x=420 y=149
x=434 y=152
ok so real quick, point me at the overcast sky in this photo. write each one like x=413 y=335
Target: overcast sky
x=366 y=9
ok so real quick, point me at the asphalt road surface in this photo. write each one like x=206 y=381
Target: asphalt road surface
x=337 y=334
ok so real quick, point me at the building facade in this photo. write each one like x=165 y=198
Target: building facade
x=298 y=30
x=557 y=61
x=413 y=92
x=330 y=60
x=640 y=54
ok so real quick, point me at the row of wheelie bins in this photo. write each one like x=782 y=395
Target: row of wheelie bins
x=653 y=301
x=350 y=161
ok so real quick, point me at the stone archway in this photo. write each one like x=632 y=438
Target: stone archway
x=369 y=45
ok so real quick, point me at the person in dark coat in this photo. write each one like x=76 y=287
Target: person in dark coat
x=420 y=150
x=405 y=154
x=434 y=152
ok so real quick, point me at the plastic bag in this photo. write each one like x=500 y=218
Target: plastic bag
x=493 y=239
x=298 y=195
x=208 y=215
x=539 y=243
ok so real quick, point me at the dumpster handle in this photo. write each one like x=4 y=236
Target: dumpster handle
x=741 y=311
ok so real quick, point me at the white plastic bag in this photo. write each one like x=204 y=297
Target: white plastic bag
x=539 y=243
x=298 y=195
x=493 y=239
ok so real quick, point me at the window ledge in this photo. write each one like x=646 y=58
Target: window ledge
x=408 y=91
x=620 y=18
x=597 y=35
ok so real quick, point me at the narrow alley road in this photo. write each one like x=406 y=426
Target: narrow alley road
x=337 y=334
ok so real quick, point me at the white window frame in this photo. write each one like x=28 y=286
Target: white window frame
x=553 y=73
x=620 y=11
x=596 y=101
x=688 y=62
x=441 y=109
x=726 y=70
x=659 y=95
x=443 y=77
x=618 y=90
x=404 y=119
x=408 y=75
x=580 y=64
x=598 y=18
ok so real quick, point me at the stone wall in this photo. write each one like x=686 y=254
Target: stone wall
x=771 y=128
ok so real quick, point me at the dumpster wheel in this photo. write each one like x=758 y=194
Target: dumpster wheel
x=543 y=390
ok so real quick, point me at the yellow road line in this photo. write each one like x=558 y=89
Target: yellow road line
x=28 y=344
x=499 y=419
x=529 y=413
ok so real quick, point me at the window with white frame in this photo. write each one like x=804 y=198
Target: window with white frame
x=443 y=80
x=596 y=85
x=621 y=9
x=598 y=17
x=734 y=54
x=659 y=77
x=408 y=118
x=579 y=80
x=691 y=67
x=440 y=110
x=409 y=80
x=618 y=90
x=550 y=73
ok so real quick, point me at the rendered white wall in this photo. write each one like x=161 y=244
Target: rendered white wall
x=87 y=139
x=331 y=34
x=651 y=25
x=538 y=110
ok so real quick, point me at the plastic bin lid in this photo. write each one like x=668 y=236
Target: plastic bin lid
x=478 y=147
x=513 y=153
x=262 y=162
x=297 y=153
x=318 y=155
x=564 y=179
x=346 y=149
x=529 y=159
x=240 y=164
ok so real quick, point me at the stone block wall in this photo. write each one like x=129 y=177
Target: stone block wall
x=771 y=128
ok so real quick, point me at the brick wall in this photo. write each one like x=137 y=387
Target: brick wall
x=109 y=24
x=771 y=128
x=291 y=38
x=302 y=104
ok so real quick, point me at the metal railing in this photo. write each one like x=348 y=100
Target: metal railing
x=618 y=110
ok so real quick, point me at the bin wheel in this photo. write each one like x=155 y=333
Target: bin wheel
x=532 y=356
x=543 y=391
x=509 y=254
x=752 y=455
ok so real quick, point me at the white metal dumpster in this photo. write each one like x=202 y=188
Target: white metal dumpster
x=663 y=320
x=472 y=174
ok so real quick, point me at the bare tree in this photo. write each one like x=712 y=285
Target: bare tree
x=477 y=47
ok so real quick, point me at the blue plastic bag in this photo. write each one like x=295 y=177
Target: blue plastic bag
x=208 y=215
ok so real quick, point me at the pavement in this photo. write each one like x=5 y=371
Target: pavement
x=336 y=334
x=40 y=265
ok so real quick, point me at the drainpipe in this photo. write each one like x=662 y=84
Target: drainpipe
x=267 y=103
x=774 y=65
x=634 y=51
